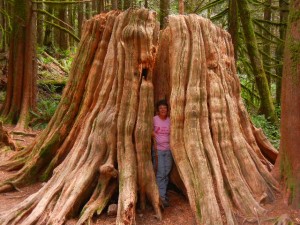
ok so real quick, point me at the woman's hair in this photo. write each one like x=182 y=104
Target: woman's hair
x=162 y=102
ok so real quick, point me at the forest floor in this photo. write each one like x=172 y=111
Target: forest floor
x=179 y=211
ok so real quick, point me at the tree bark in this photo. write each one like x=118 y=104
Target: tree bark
x=233 y=25
x=21 y=84
x=266 y=106
x=88 y=10
x=283 y=15
x=164 y=12
x=266 y=44
x=107 y=108
x=40 y=25
x=3 y=43
x=80 y=17
x=114 y=4
x=289 y=165
x=181 y=7
x=120 y=4
x=63 y=41
x=71 y=20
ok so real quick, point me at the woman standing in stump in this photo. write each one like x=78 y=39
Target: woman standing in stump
x=162 y=155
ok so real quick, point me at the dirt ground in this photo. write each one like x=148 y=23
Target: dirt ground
x=178 y=213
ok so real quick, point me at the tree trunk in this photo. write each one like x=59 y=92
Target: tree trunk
x=48 y=36
x=233 y=27
x=266 y=44
x=266 y=106
x=94 y=7
x=63 y=42
x=289 y=165
x=3 y=26
x=21 y=84
x=40 y=25
x=284 y=12
x=80 y=11
x=114 y=4
x=181 y=7
x=120 y=4
x=71 y=20
x=107 y=108
x=101 y=6
x=88 y=10
x=164 y=12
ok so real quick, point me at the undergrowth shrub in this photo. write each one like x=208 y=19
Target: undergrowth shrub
x=271 y=130
x=45 y=110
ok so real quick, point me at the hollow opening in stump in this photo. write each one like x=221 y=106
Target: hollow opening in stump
x=144 y=73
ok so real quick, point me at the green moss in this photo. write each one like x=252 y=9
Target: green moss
x=294 y=48
x=46 y=150
x=47 y=174
x=198 y=211
x=294 y=16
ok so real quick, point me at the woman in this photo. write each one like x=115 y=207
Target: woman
x=162 y=154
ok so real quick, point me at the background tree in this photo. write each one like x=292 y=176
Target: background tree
x=288 y=162
x=164 y=12
x=21 y=83
x=62 y=36
x=233 y=25
x=266 y=48
x=4 y=29
x=266 y=106
x=283 y=16
x=40 y=25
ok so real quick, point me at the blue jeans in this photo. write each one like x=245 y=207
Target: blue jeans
x=164 y=166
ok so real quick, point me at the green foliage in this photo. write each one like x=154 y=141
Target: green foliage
x=62 y=57
x=45 y=110
x=2 y=96
x=66 y=57
x=270 y=130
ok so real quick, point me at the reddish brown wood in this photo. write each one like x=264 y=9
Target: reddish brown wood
x=288 y=163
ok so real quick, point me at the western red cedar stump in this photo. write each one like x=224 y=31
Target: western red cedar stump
x=99 y=137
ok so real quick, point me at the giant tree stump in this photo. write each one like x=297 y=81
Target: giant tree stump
x=100 y=136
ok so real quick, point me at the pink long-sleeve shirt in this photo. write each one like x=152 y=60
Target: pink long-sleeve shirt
x=162 y=133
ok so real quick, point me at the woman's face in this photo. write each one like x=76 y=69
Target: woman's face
x=163 y=111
